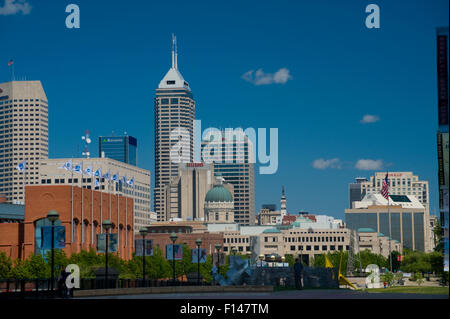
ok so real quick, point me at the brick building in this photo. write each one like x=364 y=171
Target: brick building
x=82 y=219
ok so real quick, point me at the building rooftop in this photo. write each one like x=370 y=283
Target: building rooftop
x=12 y=211
x=405 y=201
x=366 y=230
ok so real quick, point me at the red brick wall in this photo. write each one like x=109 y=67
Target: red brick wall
x=10 y=239
x=39 y=200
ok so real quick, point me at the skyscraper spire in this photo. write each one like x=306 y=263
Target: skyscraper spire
x=174 y=52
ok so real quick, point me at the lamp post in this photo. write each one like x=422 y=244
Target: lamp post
x=283 y=259
x=261 y=258
x=53 y=216
x=143 y=231
x=107 y=224
x=198 y=242
x=218 y=246
x=272 y=259
x=173 y=238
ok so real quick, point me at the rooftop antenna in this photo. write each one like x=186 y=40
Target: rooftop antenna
x=174 y=52
x=87 y=141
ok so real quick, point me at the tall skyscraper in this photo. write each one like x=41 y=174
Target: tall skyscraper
x=174 y=113
x=120 y=148
x=442 y=134
x=234 y=164
x=23 y=136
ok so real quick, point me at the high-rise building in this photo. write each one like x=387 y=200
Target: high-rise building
x=51 y=172
x=120 y=148
x=174 y=117
x=400 y=183
x=233 y=162
x=408 y=219
x=23 y=136
x=442 y=134
x=355 y=190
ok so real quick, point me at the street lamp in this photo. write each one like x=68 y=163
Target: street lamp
x=261 y=258
x=198 y=242
x=107 y=224
x=143 y=231
x=272 y=259
x=283 y=259
x=53 y=216
x=218 y=246
x=173 y=238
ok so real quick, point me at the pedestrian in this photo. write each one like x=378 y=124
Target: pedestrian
x=298 y=272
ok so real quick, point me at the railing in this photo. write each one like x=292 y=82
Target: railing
x=27 y=288
x=41 y=288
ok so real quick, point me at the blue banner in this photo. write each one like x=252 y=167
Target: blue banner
x=112 y=243
x=59 y=239
x=195 y=255
x=148 y=247
x=178 y=249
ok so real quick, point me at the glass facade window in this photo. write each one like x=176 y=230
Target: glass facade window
x=120 y=148
x=419 y=236
x=407 y=230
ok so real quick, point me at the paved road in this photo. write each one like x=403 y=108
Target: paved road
x=290 y=294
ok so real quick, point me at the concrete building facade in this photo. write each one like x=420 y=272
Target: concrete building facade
x=409 y=219
x=23 y=136
x=51 y=172
x=174 y=114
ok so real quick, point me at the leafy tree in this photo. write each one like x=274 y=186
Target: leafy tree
x=415 y=261
x=5 y=266
x=437 y=231
x=436 y=260
x=20 y=269
x=37 y=267
x=289 y=259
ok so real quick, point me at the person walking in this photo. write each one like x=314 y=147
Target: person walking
x=298 y=272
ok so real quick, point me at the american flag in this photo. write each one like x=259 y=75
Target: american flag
x=10 y=62
x=385 y=189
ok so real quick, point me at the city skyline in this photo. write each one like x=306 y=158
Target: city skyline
x=374 y=104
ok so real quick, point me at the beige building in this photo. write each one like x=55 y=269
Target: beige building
x=400 y=183
x=377 y=243
x=219 y=204
x=409 y=219
x=51 y=172
x=185 y=195
x=174 y=112
x=23 y=136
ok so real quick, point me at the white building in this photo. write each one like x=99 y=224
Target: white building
x=23 y=136
x=52 y=173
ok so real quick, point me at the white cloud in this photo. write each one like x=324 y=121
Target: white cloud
x=15 y=6
x=369 y=119
x=368 y=164
x=324 y=164
x=261 y=78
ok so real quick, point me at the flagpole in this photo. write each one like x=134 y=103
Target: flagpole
x=25 y=180
x=82 y=210
x=92 y=205
x=71 y=215
x=390 y=228
x=101 y=204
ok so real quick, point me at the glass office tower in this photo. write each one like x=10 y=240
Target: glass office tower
x=120 y=148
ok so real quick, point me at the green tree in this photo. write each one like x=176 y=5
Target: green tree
x=415 y=262
x=5 y=266
x=436 y=260
x=37 y=267
x=437 y=231
x=20 y=269
x=290 y=260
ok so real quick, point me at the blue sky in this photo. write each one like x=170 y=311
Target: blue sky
x=103 y=77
